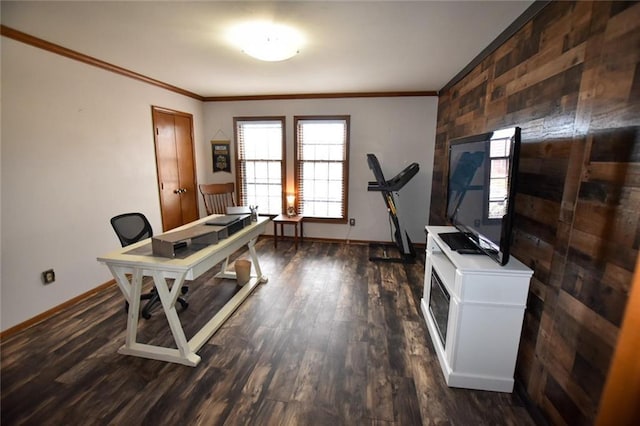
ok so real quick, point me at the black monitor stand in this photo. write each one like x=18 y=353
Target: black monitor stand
x=387 y=188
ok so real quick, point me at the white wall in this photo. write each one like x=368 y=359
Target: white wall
x=77 y=149
x=399 y=131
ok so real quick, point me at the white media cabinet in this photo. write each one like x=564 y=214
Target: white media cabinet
x=484 y=315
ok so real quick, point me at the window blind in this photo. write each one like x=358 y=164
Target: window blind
x=321 y=166
x=260 y=163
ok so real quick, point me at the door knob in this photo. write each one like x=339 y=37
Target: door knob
x=180 y=191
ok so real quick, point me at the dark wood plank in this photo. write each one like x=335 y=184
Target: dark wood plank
x=331 y=339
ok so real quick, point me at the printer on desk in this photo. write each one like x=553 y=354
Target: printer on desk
x=232 y=222
x=170 y=244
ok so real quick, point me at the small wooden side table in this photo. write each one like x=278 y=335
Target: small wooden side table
x=283 y=219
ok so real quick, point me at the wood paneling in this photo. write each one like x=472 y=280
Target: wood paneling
x=570 y=78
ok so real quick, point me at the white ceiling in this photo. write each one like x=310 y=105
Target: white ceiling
x=354 y=46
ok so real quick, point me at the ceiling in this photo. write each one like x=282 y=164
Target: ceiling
x=351 y=47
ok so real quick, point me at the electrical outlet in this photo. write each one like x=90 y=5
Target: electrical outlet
x=352 y=222
x=48 y=276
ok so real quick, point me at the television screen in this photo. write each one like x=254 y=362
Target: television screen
x=481 y=192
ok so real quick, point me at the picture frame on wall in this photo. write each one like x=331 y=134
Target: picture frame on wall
x=221 y=156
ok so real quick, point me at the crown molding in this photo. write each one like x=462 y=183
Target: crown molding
x=320 y=96
x=81 y=57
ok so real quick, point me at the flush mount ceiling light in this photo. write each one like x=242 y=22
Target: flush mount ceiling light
x=267 y=41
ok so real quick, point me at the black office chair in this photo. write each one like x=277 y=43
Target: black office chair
x=131 y=228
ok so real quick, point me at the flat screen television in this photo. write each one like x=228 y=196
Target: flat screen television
x=481 y=193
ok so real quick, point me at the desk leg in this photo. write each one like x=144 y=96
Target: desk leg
x=282 y=230
x=125 y=286
x=168 y=299
x=254 y=257
x=225 y=266
x=131 y=291
x=203 y=335
x=184 y=354
x=275 y=235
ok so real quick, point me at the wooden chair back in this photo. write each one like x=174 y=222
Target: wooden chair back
x=218 y=196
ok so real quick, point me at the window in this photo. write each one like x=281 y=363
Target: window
x=498 y=176
x=321 y=167
x=260 y=162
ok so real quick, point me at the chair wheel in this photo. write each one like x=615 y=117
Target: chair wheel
x=126 y=307
x=183 y=303
x=146 y=315
x=184 y=289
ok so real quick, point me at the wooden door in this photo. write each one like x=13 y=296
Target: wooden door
x=173 y=134
x=619 y=401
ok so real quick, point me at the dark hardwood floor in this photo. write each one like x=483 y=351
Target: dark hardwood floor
x=331 y=339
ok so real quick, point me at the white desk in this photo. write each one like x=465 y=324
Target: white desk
x=138 y=264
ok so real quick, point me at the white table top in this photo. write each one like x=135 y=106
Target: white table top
x=135 y=256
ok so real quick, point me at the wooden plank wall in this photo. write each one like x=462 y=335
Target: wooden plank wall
x=570 y=78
